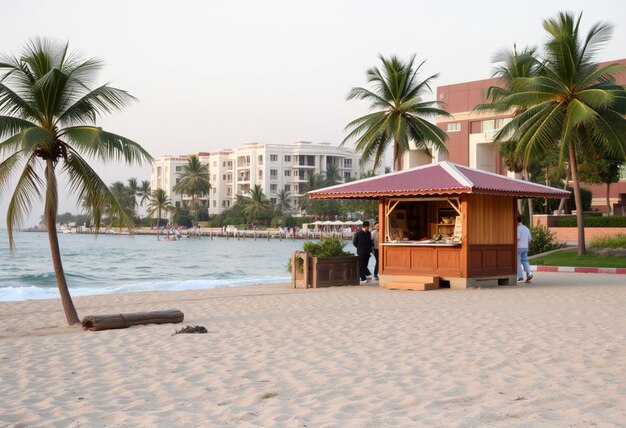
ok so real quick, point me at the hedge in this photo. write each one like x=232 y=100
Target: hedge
x=593 y=221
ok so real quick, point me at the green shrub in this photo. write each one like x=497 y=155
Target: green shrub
x=327 y=246
x=542 y=240
x=593 y=221
x=615 y=241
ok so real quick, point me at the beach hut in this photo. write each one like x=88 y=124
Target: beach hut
x=444 y=222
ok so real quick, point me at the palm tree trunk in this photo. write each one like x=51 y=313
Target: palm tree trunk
x=579 y=203
x=397 y=163
x=564 y=200
x=50 y=213
x=608 y=199
x=531 y=211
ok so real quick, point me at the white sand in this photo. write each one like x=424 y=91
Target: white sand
x=550 y=354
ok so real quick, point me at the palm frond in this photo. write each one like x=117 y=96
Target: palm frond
x=103 y=99
x=96 y=142
x=25 y=193
x=10 y=125
x=87 y=186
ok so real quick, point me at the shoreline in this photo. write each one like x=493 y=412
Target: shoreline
x=550 y=353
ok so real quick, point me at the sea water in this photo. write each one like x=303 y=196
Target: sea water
x=119 y=263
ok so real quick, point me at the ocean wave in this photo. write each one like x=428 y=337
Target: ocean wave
x=43 y=279
x=12 y=294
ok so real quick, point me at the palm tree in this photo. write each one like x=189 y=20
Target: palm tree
x=314 y=181
x=133 y=189
x=256 y=203
x=332 y=175
x=194 y=181
x=513 y=66
x=572 y=106
x=48 y=112
x=284 y=201
x=124 y=196
x=144 y=192
x=400 y=113
x=159 y=202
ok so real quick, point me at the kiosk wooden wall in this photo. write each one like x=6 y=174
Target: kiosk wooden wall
x=491 y=235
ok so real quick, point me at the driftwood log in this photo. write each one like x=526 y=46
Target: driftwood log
x=108 y=322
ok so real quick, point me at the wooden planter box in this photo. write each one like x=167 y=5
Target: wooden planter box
x=324 y=271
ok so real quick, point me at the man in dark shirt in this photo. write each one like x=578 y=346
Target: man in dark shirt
x=363 y=242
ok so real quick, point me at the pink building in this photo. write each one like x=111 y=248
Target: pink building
x=470 y=136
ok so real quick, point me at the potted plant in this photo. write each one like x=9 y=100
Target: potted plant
x=323 y=264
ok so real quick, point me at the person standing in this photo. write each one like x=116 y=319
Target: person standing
x=362 y=240
x=523 y=240
x=375 y=248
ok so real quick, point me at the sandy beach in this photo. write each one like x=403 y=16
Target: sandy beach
x=549 y=354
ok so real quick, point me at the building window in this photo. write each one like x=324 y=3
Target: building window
x=500 y=123
x=273 y=158
x=260 y=173
x=260 y=157
x=273 y=201
x=177 y=180
x=453 y=127
x=273 y=174
x=214 y=203
x=287 y=187
x=287 y=158
x=488 y=125
x=177 y=204
x=214 y=164
x=347 y=163
x=273 y=187
x=348 y=175
x=287 y=173
x=224 y=177
x=179 y=168
x=223 y=204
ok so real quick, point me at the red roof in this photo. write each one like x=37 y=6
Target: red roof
x=443 y=178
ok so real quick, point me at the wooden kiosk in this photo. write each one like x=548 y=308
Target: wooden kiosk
x=444 y=222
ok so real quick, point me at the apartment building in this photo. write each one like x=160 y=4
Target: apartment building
x=471 y=134
x=274 y=167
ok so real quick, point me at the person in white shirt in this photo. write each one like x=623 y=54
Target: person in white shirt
x=523 y=239
x=375 y=249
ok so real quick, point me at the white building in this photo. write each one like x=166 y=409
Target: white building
x=274 y=167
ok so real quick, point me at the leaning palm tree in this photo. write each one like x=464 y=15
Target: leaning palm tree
x=256 y=203
x=48 y=112
x=400 y=113
x=572 y=106
x=194 y=181
x=159 y=203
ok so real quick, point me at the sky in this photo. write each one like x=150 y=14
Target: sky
x=210 y=75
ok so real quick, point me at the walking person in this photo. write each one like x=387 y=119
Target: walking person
x=375 y=249
x=523 y=239
x=363 y=242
